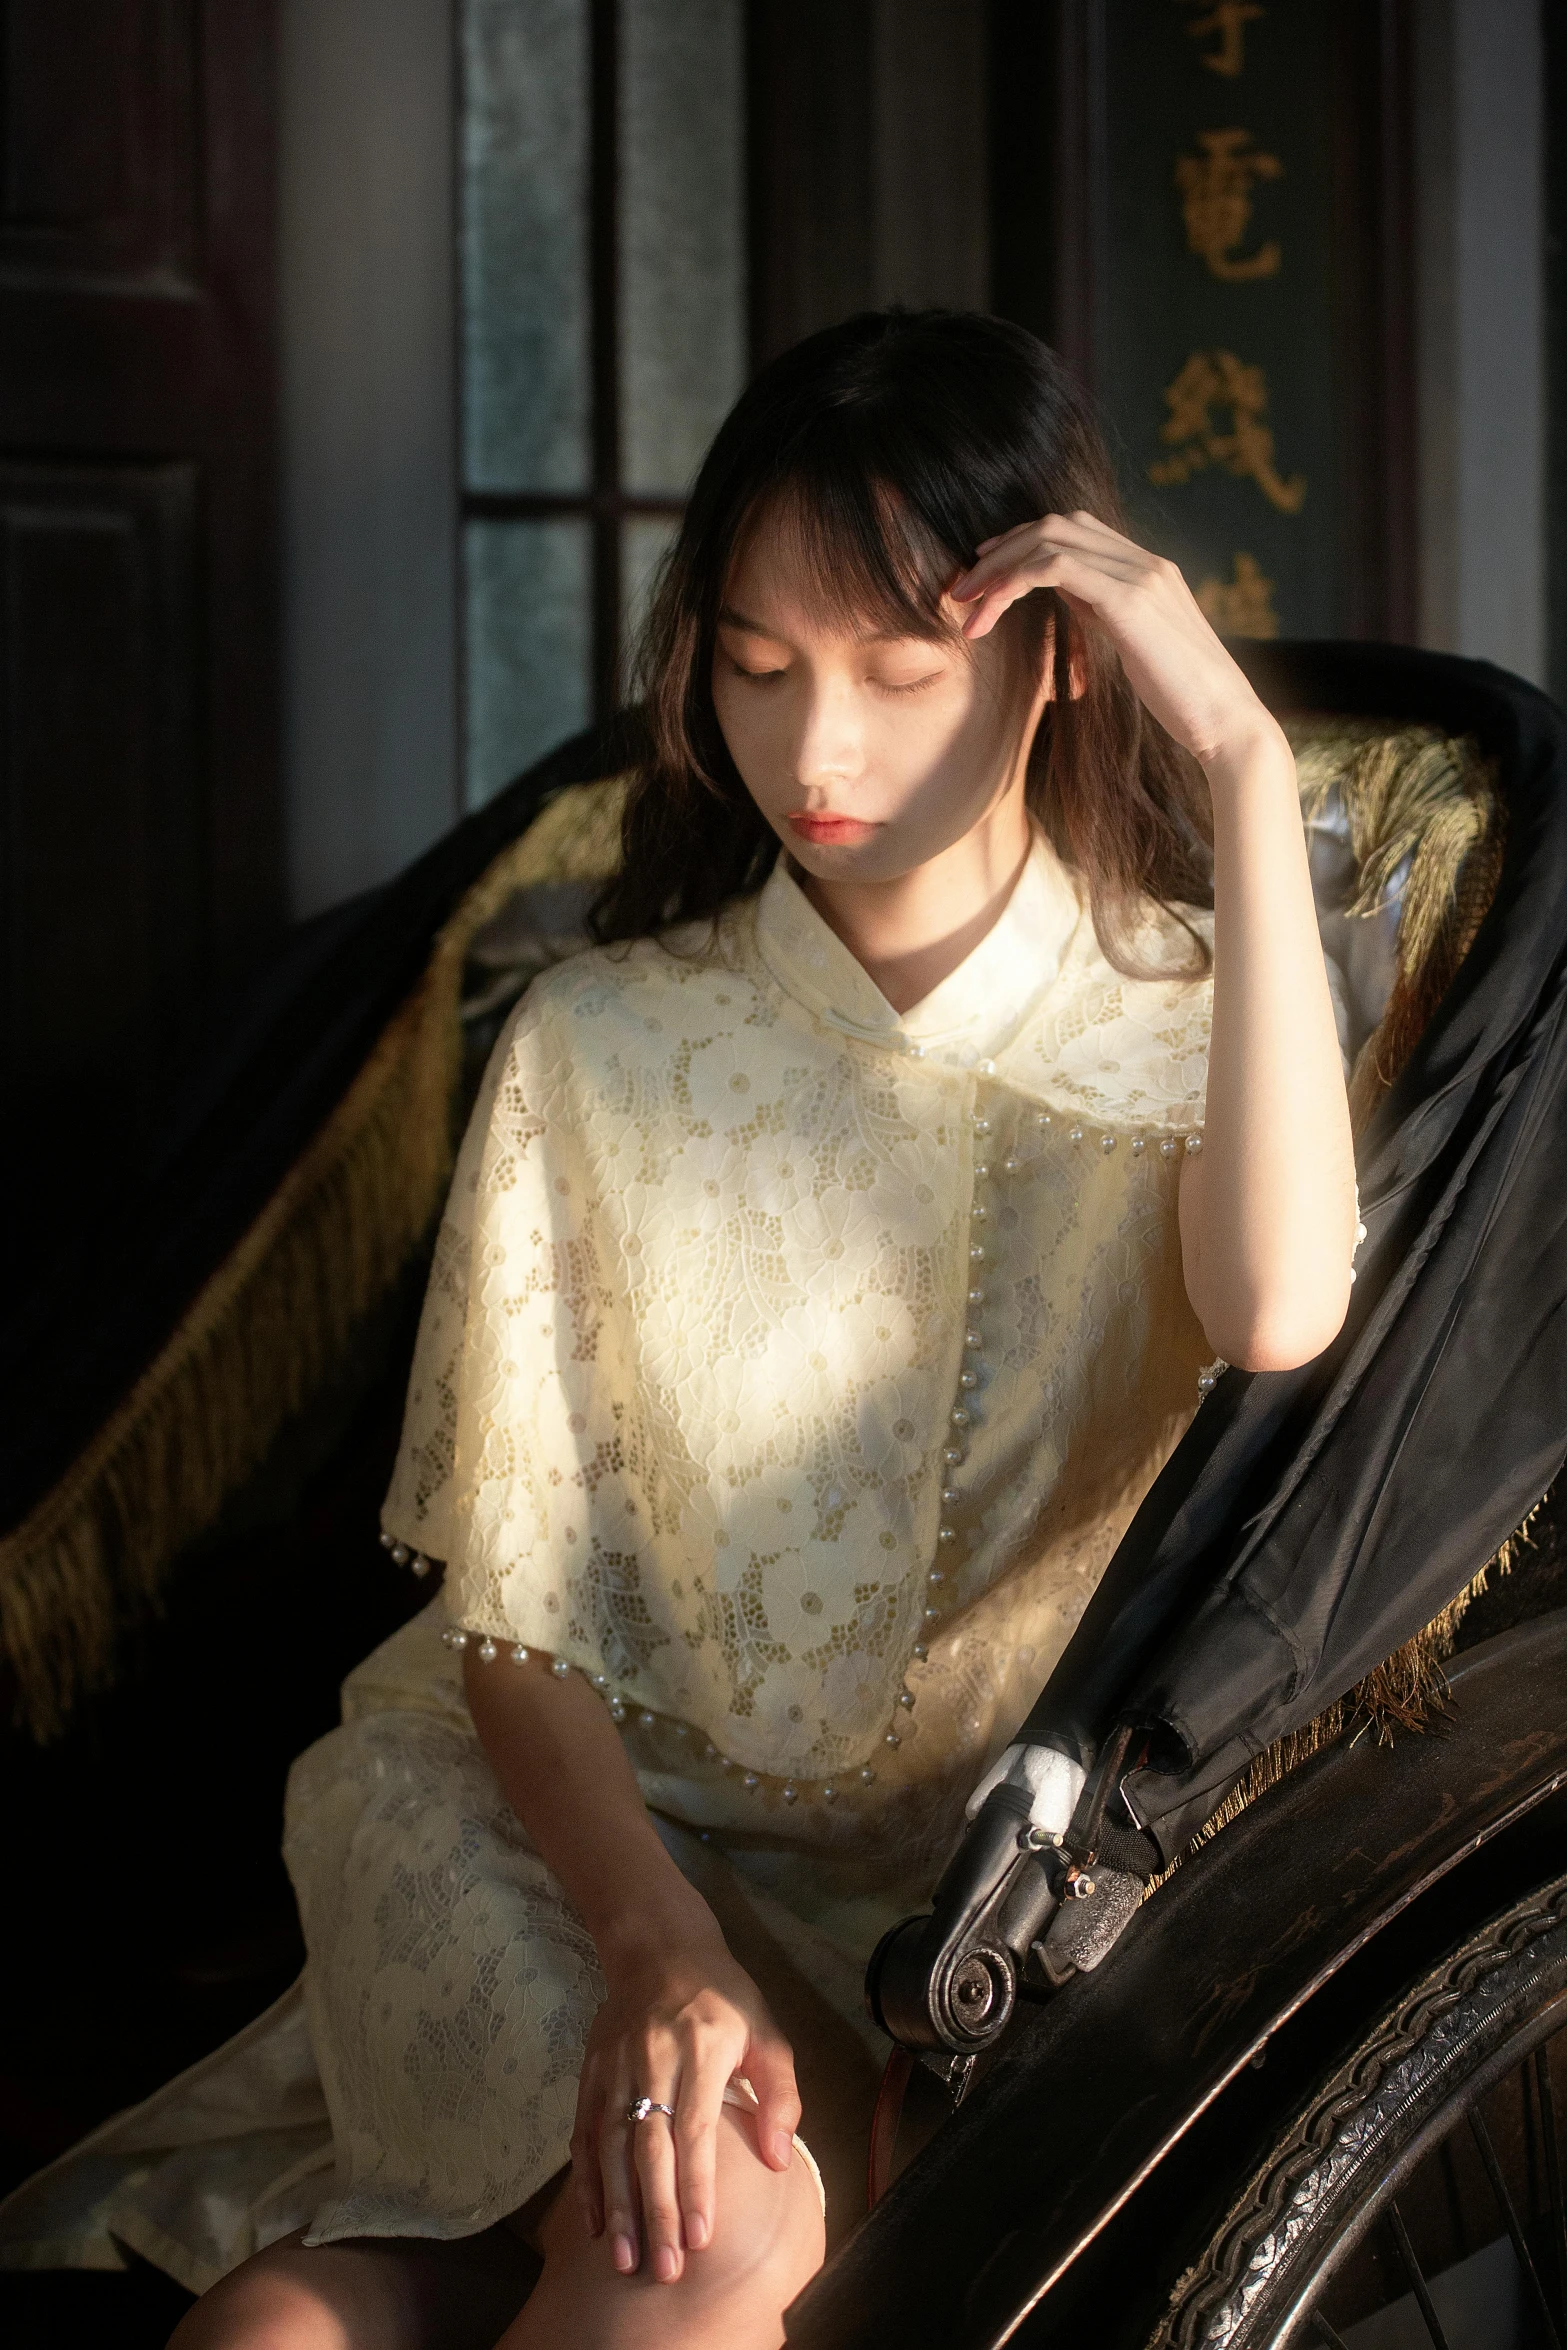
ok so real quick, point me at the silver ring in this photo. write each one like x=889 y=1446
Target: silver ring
x=640 y=2107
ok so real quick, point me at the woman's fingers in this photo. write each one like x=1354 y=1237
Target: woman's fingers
x=618 y=2171
x=769 y=2067
x=696 y=2143
x=1092 y=582
x=1078 y=533
x=653 y=2151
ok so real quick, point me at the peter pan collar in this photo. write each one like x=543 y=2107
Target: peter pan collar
x=977 y=1008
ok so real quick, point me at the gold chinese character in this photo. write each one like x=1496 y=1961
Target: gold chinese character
x=1216 y=190
x=1242 y=606
x=1218 y=380
x=1229 y=20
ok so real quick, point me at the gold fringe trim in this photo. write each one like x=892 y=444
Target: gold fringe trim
x=275 y=1320
x=1408 y=1691
x=1408 y=792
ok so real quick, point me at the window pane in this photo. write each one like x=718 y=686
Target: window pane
x=642 y=545
x=525 y=244
x=682 y=249
x=529 y=669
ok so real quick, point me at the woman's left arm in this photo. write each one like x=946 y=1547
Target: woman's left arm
x=1268 y=1206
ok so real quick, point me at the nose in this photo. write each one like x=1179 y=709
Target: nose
x=831 y=746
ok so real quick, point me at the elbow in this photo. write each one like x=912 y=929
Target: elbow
x=1276 y=1334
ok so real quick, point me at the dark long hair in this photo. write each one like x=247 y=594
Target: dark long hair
x=893 y=444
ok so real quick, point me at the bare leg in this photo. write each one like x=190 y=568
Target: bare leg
x=394 y=2293
x=768 y=2243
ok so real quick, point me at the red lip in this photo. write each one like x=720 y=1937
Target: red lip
x=829 y=831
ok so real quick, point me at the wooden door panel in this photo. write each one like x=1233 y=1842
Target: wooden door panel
x=140 y=810
x=98 y=138
x=100 y=862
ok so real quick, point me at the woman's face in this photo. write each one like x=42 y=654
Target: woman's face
x=867 y=754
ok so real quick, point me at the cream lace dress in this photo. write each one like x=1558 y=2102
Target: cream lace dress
x=790 y=1368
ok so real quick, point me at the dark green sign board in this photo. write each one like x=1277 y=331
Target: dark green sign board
x=1219 y=354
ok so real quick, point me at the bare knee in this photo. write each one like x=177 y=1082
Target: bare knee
x=768 y=2241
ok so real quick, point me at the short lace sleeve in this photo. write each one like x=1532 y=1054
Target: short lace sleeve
x=418 y=1507
x=518 y=1462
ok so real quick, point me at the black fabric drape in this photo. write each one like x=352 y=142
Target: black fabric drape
x=1313 y=1521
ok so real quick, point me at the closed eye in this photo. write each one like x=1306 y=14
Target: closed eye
x=915 y=685
x=755 y=676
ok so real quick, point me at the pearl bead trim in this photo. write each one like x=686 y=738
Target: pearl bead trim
x=940 y=1581
x=459 y=1637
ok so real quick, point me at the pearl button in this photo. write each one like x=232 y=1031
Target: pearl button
x=791 y=1794
x=1010 y=1166
x=935 y=1578
x=921 y=1651
x=892 y=1739
x=519 y=1654
x=1107 y=1142
x=950 y=1494
x=1074 y=1134
x=399 y=1554
x=645 y=1721
x=1138 y=1146
x=968 y=1379
x=560 y=1668
x=459 y=1639
x=386 y=1540
x=973 y=1340
x=933 y=1615
x=1167 y=1148
x=1042 y=1119
x=981 y=1125
x=829 y=1795
x=987 y=1068
x=953 y=1455
x=976 y=1254
x=617 y=1712
x=978 y=1213
x=867 y=1777
x=976 y=1297
x=981 y=1170
x=959 y=1417
x=420 y=1564
x=906 y=1699
x=486 y=1651
x=1193 y=1145
x=750 y=1780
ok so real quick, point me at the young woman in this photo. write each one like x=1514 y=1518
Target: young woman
x=827 y=1271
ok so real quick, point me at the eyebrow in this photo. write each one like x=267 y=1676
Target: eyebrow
x=728 y=617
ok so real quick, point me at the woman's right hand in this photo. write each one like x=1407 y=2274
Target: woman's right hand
x=681 y=2020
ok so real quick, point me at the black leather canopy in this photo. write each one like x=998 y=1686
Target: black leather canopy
x=1312 y=1521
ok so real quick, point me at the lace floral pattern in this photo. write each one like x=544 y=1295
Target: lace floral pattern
x=722 y=1214
x=450 y=1985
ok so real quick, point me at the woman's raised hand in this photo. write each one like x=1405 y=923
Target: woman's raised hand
x=1175 y=662
x=679 y=2023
